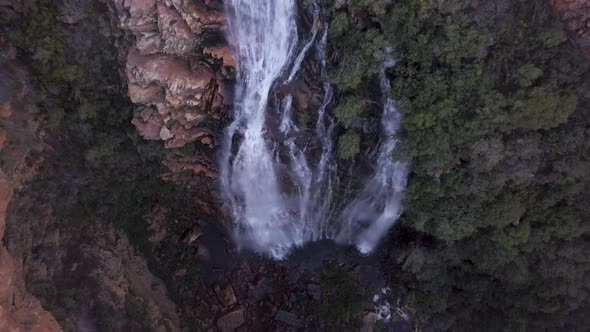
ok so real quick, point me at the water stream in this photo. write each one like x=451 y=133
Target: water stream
x=374 y=210
x=278 y=179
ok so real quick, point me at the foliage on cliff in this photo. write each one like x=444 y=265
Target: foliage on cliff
x=496 y=129
x=97 y=171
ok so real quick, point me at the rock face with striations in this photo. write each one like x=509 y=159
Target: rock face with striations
x=176 y=68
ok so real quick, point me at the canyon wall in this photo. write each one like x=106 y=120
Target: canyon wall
x=178 y=70
x=20 y=146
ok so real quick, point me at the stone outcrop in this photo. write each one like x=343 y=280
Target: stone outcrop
x=19 y=142
x=123 y=276
x=231 y=321
x=176 y=68
x=575 y=14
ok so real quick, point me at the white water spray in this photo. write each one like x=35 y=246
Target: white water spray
x=374 y=210
x=277 y=178
x=264 y=35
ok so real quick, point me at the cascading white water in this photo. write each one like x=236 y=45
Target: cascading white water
x=374 y=210
x=264 y=35
x=301 y=55
x=278 y=179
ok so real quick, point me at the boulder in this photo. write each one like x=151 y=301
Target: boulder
x=193 y=234
x=228 y=297
x=231 y=321
x=287 y=318
x=165 y=133
x=314 y=291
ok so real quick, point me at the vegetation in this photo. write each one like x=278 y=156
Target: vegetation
x=342 y=301
x=495 y=105
x=98 y=166
x=349 y=110
x=348 y=145
x=496 y=128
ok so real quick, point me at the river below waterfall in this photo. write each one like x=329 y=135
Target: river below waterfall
x=278 y=178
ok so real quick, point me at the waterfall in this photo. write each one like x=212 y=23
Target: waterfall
x=301 y=56
x=378 y=205
x=276 y=178
x=263 y=34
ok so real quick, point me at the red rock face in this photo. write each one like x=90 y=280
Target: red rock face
x=575 y=14
x=178 y=87
x=19 y=310
x=177 y=69
x=221 y=52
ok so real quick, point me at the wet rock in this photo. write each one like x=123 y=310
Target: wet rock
x=369 y=321
x=315 y=291
x=242 y=328
x=193 y=234
x=229 y=297
x=245 y=267
x=203 y=252
x=231 y=321
x=287 y=318
x=226 y=295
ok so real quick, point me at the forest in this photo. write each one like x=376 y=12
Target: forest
x=495 y=104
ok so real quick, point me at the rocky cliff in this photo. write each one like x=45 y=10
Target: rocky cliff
x=20 y=145
x=178 y=70
x=108 y=234
x=61 y=267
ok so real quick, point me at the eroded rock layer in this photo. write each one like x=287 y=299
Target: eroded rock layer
x=179 y=73
x=177 y=68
